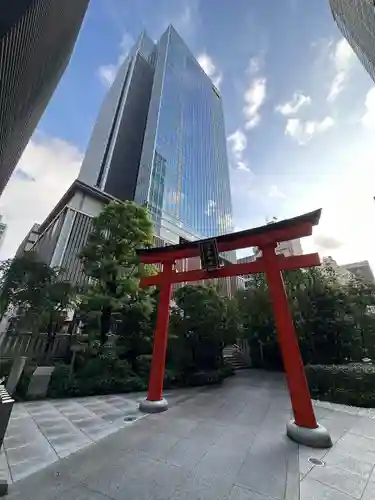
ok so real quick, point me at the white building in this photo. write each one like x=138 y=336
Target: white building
x=362 y=270
x=286 y=248
x=28 y=241
x=342 y=274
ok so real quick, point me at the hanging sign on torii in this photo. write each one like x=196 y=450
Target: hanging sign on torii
x=304 y=427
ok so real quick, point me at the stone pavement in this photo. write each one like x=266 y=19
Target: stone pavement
x=348 y=467
x=219 y=443
x=40 y=433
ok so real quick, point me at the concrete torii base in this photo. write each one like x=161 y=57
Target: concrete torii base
x=315 y=438
x=153 y=406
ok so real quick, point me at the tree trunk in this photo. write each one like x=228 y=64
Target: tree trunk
x=49 y=337
x=105 y=324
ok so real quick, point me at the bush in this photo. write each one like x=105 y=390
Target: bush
x=226 y=370
x=209 y=377
x=5 y=367
x=204 y=378
x=100 y=375
x=352 y=384
x=60 y=381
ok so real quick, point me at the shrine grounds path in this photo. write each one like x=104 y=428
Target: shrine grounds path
x=218 y=443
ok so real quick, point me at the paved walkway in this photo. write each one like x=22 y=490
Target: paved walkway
x=40 y=433
x=223 y=443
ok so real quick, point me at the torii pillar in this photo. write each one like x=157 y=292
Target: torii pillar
x=303 y=428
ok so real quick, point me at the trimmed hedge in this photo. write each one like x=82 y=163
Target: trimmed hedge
x=104 y=375
x=352 y=384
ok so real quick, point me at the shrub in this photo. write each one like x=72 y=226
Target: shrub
x=5 y=367
x=60 y=381
x=209 y=377
x=226 y=370
x=204 y=378
x=352 y=384
x=144 y=365
x=100 y=375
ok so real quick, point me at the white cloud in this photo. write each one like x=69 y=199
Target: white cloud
x=243 y=165
x=343 y=54
x=49 y=165
x=304 y=131
x=274 y=192
x=107 y=73
x=254 y=97
x=342 y=57
x=208 y=66
x=238 y=143
x=255 y=64
x=368 y=118
x=294 y=105
x=326 y=242
x=337 y=85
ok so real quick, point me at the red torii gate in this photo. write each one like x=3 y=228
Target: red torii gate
x=304 y=428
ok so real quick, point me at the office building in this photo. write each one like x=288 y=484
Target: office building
x=342 y=275
x=289 y=248
x=159 y=140
x=361 y=270
x=356 y=20
x=286 y=248
x=29 y=240
x=245 y=280
x=37 y=38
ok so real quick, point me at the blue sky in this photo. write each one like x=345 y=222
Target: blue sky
x=299 y=111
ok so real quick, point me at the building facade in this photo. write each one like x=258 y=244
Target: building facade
x=29 y=240
x=63 y=234
x=361 y=270
x=160 y=140
x=356 y=20
x=342 y=275
x=37 y=38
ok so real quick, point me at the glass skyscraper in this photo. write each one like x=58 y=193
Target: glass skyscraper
x=160 y=140
x=356 y=20
x=37 y=38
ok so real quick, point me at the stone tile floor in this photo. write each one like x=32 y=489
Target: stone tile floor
x=40 y=433
x=348 y=467
x=219 y=443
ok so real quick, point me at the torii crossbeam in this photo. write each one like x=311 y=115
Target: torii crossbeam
x=304 y=427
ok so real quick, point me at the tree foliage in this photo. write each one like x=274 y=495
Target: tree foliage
x=202 y=323
x=332 y=320
x=36 y=293
x=110 y=260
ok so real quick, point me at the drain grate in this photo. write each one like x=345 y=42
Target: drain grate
x=130 y=419
x=316 y=461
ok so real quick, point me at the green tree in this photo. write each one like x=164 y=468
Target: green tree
x=202 y=323
x=326 y=316
x=37 y=294
x=23 y=282
x=110 y=260
x=136 y=327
